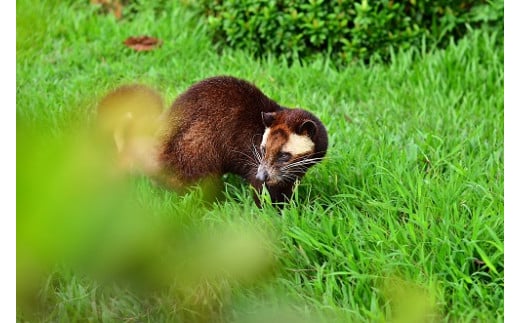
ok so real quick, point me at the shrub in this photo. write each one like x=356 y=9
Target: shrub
x=347 y=30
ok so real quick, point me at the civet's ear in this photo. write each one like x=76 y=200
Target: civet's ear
x=308 y=127
x=268 y=118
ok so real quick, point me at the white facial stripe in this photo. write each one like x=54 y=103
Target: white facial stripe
x=264 y=138
x=298 y=145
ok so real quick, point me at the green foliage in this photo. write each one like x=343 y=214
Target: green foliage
x=348 y=30
x=403 y=221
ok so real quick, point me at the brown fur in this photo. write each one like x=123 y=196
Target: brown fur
x=216 y=127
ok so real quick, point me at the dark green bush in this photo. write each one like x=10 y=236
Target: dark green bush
x=348 y=30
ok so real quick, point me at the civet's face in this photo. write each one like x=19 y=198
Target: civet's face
x=286 y=150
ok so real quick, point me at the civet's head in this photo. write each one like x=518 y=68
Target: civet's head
x=293 y=140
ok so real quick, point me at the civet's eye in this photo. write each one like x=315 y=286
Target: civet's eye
x=284 y=157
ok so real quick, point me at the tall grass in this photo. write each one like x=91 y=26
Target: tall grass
x=403 y=221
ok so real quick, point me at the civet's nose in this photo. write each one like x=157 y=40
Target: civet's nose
x=262 y=174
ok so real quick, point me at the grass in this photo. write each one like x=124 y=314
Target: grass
x=402 y=222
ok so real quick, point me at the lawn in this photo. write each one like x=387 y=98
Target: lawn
x=403 y=221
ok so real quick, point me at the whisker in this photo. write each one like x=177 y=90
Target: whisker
x=243 y=153
x=304 y=162
x=296 y=167
x=296 y=172
x=249 y=160
x=257 y=154
x=255 y=149
x=303 y=158
x=286 y=178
